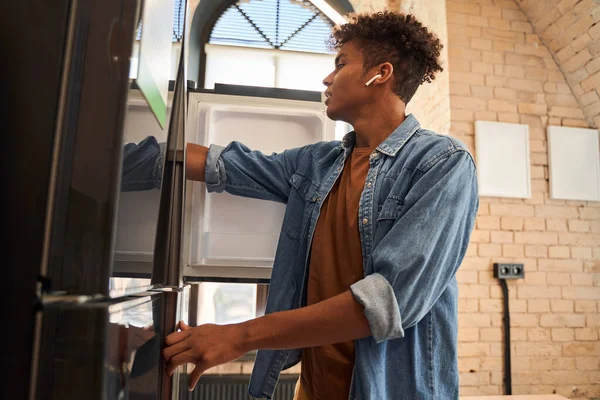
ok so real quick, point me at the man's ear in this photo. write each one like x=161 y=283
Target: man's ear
x=382 y=74
x=386 y=70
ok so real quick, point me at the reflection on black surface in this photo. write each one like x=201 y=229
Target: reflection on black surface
x=145 y=354
x=141 y=175
x=142 y=168
x=134 y=352
x=142 y=165
x=139 y=197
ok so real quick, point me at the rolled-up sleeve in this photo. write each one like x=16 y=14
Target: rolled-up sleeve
x=241 y=171
x=142 y=165
x=419 y=256
x=214 y=174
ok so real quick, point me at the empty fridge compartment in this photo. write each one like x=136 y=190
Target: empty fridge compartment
x=228 y=230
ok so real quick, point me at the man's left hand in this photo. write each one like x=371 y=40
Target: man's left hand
x=338 y=319
x=205 y=346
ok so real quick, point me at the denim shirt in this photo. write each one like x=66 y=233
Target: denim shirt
x=142 y=165
x=416 y=214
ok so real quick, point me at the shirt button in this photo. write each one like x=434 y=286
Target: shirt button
x=365 y=221
x=368 y=184
x=374 y=155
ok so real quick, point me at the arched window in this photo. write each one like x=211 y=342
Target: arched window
x=273 y=24
x=271 y=43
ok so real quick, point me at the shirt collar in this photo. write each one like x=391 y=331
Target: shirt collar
x=394 y=142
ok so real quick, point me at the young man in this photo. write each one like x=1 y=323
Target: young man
x=363 y=288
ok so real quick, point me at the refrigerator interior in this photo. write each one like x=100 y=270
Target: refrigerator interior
x=227 y=235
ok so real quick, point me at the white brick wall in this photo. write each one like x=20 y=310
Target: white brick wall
x=500 y=70
x=571 y=32
x=431 y=103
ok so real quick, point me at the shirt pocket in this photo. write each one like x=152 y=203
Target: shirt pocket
x=303 y=196
x=305 y=187
x=390 y=208
x=389 y=212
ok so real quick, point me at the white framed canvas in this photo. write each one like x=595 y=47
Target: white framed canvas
x=573 y=163
x=503 y=161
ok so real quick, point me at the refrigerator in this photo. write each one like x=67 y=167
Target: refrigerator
x=97 y=277
x=75 y=328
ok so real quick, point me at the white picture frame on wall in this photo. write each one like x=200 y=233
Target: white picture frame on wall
x=503 y=160
x=573 y=163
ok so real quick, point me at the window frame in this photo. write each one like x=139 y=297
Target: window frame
x=203 y=20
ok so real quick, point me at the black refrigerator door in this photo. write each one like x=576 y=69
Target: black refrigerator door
x=107 y=350
x=66 y=116
x=87 y=159
x=65 y=68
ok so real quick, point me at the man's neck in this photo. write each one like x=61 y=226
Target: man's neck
x=376 y=124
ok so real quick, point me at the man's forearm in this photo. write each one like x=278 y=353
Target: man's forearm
x=195 y=164
x=335 y=320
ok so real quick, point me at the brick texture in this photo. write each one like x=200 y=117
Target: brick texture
x=507 y=52
x=431 y=103
x=570 y=31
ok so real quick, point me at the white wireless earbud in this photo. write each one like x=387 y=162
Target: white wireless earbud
x=372 y=79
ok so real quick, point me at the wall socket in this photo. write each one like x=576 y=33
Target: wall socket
x=509 y=271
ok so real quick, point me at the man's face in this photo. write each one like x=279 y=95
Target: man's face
x=346 y=91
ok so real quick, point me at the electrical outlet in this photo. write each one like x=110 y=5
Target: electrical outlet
x=509 y=271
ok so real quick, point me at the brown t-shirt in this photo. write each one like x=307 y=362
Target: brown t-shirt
x=335 y=263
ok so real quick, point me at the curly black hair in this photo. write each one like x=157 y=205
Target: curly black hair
x=400 y=39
